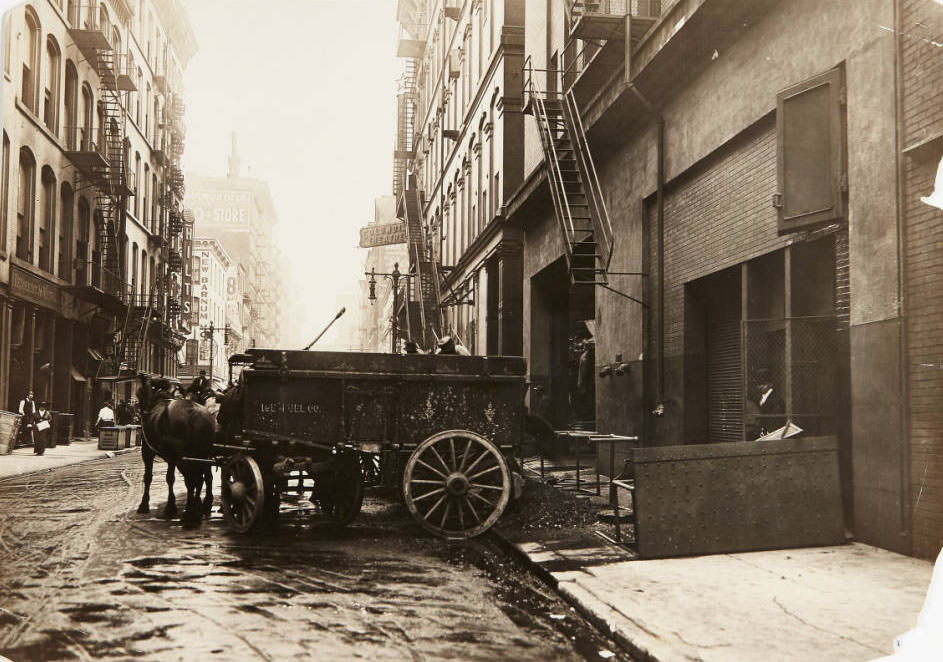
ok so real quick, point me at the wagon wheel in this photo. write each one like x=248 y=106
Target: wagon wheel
x=339 y=490
x=456 y=484
x=242 y=492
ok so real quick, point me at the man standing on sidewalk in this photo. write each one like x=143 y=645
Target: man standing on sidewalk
x=28 y=412
x=43 y=432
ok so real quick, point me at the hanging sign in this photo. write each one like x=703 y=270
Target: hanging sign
x=383 y=234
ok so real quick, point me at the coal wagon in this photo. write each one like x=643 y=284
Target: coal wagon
x=443 y=431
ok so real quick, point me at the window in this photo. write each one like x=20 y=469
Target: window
x=30 y=82
x=5 y=193
x=64 y=244
x=138 y=102
x=73 y=13
x=811 y=147
x=71 y=105
x=147 y=188
x=104 y=25
x=155 y=214
x=85 y=137
x=84 y=231
x=144 y=279
x=147 y=117
x=25 y=206
x=96 y=255
x=47 y=220
x=51 y=92
x=134 y=269
x=137 y=178
x=7 y=34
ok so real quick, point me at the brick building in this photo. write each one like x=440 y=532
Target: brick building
x=90 y=215
x=737 y=222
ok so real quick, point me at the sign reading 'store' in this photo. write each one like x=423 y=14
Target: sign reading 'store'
x=227 y=208
x=384 y=234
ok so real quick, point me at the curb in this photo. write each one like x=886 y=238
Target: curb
x=102 y=456
x=599 y=622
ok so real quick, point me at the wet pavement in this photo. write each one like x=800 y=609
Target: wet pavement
x=84 y=577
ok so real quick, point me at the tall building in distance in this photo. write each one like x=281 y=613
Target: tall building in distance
x=239 y=213
x=376 y=305
x=90 y=214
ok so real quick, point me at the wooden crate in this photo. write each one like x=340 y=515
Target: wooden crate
x=111 y=439
x=9 y=428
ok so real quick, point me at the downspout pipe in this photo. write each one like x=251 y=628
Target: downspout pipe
x=906 y=512
x=659 y=246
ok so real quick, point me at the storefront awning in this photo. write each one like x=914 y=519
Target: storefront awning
x=76 y=375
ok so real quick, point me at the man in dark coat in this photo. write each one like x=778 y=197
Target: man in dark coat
x=27 y=410
x=199 y=386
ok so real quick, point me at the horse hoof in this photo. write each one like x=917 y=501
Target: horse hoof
x=170 y=512
x=143 y=509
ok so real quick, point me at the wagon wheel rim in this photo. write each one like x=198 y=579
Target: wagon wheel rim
x=243 y=494
x=456 y=484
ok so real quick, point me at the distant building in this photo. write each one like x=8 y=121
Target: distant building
x=238 y=211
x=211 y=268
x=375 y=314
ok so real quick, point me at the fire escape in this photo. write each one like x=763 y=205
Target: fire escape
x=423 y=316
x=601 y=33
x=102 y=164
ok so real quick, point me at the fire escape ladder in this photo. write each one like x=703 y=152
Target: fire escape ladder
x=424 y=269
x=136 y=325
x=574 y=197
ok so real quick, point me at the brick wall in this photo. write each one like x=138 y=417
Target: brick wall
x=922 y=64
x=717 y=215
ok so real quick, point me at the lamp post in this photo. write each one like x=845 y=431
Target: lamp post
x=394 y=277
x=208 y=332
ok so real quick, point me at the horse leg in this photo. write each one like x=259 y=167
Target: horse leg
x=148 y=456
x=208 y=498
x=193 y=479
x=170 y=510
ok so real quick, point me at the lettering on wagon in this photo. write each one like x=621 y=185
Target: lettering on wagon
x=289 y=407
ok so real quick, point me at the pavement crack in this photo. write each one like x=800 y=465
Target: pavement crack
x=821 y=629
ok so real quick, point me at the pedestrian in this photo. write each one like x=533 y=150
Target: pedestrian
x=124 y=413
x=27 y=411
x=106 y=417
x=199 y=386
x=43 y=428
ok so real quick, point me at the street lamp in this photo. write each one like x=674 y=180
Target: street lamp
x=394 y=277
x=209 y=333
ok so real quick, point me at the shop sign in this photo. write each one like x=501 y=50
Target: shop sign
x=220 y=208
x=383 y=234
x=33 y=288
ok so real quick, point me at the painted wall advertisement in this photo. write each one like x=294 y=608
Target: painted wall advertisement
x=220 y=208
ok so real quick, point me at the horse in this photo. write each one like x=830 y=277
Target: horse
x=176 y=429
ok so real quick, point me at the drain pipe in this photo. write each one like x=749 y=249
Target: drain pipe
x=906 y=512
x=660 y=249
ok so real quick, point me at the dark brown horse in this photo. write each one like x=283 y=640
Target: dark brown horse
x=179 y=431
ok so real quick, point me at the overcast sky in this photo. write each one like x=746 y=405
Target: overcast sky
x=308 y=86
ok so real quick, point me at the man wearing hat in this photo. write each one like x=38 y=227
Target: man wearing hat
x=43 y=428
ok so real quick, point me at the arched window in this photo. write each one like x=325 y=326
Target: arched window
x=82 y=235
x=51 y=91
x=144 y=280
x=147 y=117
x=25 y=206
x=98 y=221
x=155 y=210
x=140 y=102
x=64 y=243
x=30 y=82
x=71 y=104
x=47 y=219
x=116 y=45
x=5 y=192
x=137 y=185
x=134 y=268
x=147 y=188
x=104 y=25
x=85 y=137
x=73 y=13
x=155 y=139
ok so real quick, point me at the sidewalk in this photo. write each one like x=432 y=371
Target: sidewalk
x=24 y=461
x=825 y=604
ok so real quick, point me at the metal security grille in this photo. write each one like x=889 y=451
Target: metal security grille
x=724 y=382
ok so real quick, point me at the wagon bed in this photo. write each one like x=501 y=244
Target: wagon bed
x=441 y=429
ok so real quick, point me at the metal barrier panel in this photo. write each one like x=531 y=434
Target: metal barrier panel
x=737 y=497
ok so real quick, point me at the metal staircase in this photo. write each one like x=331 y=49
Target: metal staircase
x=578 y=203
x=425 y=284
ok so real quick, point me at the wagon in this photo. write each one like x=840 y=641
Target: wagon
x=443 y=431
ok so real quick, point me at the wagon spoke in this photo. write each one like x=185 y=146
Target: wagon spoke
x=486 y=471
x=481 y=498
x=482 y=486
x=428 y=494
x=439 y=457
x=484 y=454
x=445 y=513
x=437 y=504
x=431 y=468
x=461 y=517
x=472 y=509
x=465 y=454
x=416 y=481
